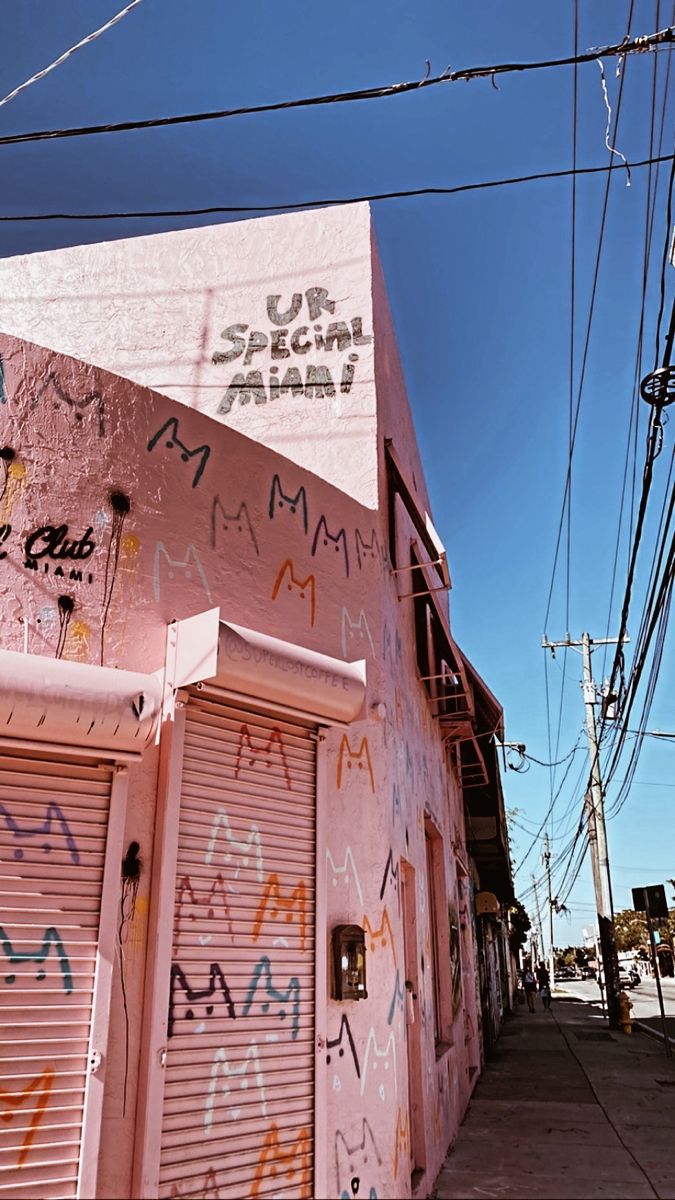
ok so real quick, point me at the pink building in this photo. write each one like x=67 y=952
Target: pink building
x=252 y=844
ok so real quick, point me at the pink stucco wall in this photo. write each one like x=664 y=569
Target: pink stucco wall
x=178 y=509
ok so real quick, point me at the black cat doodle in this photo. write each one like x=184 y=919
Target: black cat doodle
x=193 y=996
x=278 y=499
x=322 y=536
x=224 y=522
x=170 y=430
x=366 y=551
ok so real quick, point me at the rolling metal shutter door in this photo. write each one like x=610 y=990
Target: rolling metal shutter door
x=239 y=1091
x=53 y=826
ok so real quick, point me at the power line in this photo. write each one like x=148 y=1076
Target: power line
x=550 y=808
x=574 y=409
x=632 y=439
x=637 y=45
x=557 y=763
x=572 y=440
x=651 y=454
x=91 y=37
x=572 y=321
x=214 y=209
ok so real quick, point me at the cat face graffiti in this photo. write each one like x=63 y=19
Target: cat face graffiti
x=290 y=906
x=195 y=1005
x=40 y=837
x=235 y=852
x=169 y=432
x=294 y=506
x=175 y=571
x=367 y=553
x=276 y=1001
x=267 y=753
x=401 y=1142
x=397 y=1002
x=34 y=1098
x=357 y=1159
x=52 y=951
x=356 y=637
x=232 y=527
x=206 y=1189
x=346 y=874
x=354 y=763
x=284 y=1163
x=332 y=543
x=59 y=394
x=379 y=1067
x=201 y=914
x=342 y=1048
x=229 y=1088
x=304 y=589
x=380 y=935
x=390 y=876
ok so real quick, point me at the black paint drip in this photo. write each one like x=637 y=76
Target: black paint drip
x=131 y=875
x=120 y=504
x=66 y=606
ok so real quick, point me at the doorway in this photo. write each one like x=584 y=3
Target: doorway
x=417 y=1143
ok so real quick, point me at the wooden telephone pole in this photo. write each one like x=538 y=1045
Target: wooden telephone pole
x=597 y=832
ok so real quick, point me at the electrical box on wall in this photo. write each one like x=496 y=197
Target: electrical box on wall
x=349 y=963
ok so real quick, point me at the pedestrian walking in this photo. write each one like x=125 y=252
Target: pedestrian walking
x=529 y=986
x=544 y=985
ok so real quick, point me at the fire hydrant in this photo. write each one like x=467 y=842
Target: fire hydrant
x=625 y=1006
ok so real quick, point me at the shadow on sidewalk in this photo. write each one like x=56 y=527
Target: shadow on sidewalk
x=567 y=1108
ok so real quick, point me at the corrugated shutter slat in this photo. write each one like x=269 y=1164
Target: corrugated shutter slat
x=239 y=1090
x=53 y=828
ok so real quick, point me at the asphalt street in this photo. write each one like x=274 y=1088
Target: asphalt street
x=644 y=999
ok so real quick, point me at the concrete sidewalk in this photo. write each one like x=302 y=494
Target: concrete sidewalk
x=565 y=1110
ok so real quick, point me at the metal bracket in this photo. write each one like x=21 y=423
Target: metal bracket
x=426 y=592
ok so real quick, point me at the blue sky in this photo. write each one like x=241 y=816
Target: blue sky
x=479 y=286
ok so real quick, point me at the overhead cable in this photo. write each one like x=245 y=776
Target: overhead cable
x=653 y=440
x=91 y=37
x=636 y=45
x=214 y=209
x=573 y=432
x=558 y=761
x=632 y=439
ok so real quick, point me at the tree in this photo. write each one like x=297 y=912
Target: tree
x=519 y=926
x=631 y=929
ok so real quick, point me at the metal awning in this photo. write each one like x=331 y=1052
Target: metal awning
x=76 y=706
x=247 y=664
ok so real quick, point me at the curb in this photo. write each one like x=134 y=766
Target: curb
x=653 y=1033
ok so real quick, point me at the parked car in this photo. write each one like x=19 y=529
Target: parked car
x=628 y=977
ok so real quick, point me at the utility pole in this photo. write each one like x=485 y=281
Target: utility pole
x=551 y=955
x=597 y=832
x=539 y=926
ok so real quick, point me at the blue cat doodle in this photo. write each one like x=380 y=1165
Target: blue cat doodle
x=51 y=938
x=53 y=816
x=290 y=995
